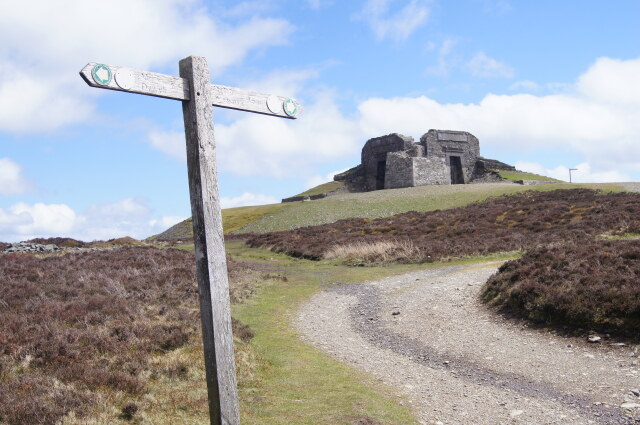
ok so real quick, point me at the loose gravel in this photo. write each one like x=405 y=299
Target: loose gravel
x=428 y=335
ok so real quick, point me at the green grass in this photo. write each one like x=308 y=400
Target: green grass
x=625 y=237
x=232 y=219
x=521 y=175
x=296 y=383
x=323 y=188
x=384 y=203
x=236 y=218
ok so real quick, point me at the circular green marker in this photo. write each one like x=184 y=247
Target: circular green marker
x=101 y=74
x=291 y=107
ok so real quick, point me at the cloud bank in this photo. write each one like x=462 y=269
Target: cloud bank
x=126 y=217
x=12 y=182
x=597 y=118
x=42 y=51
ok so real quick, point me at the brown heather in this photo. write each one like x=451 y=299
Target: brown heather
x=592 y=285
x=81 y=322
x=506 y=223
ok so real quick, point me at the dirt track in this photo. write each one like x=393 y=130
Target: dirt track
x=426 y=334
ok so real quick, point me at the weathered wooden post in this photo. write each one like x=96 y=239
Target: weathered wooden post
x=197 y=96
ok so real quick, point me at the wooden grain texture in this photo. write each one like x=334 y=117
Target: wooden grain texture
x=149 y=83
x=169 y=87
x=246 y=100
x=211 y=267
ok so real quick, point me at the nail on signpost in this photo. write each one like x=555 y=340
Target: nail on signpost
x=198 y=95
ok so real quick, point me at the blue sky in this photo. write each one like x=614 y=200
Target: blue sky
x=544 y=85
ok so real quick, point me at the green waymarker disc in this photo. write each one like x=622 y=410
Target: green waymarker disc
x=290 y=107
x=101 y=74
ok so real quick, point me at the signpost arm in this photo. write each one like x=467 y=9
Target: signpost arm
x=211 y=266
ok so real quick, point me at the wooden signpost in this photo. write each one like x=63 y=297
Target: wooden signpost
x=198 y=95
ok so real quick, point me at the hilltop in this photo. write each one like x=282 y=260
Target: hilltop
x=340 y=204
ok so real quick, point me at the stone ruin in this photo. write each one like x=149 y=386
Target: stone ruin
x=441 y=157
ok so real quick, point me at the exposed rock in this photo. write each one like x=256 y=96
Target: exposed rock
x=630 y=405
x=30 y=247
x=593 y=338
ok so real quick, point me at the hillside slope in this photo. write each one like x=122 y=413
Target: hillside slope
x=506 y=223
x=385 y=203
x=376 y=204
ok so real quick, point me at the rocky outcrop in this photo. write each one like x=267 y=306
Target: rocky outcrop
x=30 y=247
x=34 y=248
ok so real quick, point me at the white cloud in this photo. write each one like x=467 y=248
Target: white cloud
x=583 y=173
x=22 y=221
x=246 y=199
x=283 y=82
x=318 y=180
x=612 y=81
x=398 y=24
x=163 y=223
x=484 y=66
x=171 y=143
x=127 y=217
x=444 y=64
x=600 y=125
x=43 y=48
x=525 y=85
x=256 y=145
x=12 y=182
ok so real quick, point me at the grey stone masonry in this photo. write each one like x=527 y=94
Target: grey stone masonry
x=448 y=144
x=374 y=157
x=441 y=157
x=431 y=170
x=399 y=170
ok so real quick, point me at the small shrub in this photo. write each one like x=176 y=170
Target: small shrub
x=38 y=400
x=588 y=285
x=374 y=252
x=93 y=320
x=240 y=330
x=128 y=410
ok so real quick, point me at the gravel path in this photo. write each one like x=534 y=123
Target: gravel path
x=426 y=334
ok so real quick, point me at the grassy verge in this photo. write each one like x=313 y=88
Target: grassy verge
x=236 y=218
x=521 y=175
x=296 y=383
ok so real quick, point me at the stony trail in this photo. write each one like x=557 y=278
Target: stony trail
x=427 y=334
